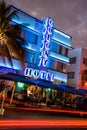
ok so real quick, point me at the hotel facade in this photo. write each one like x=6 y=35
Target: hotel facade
x=45 y=54
x=45 y=48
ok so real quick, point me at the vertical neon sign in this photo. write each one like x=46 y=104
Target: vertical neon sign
x=46 y=37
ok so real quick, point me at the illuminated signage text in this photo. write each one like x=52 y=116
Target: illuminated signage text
x=46 y=37
x=39 y=74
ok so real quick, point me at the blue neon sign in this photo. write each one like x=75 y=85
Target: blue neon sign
x=30 y=72
x=46 y=37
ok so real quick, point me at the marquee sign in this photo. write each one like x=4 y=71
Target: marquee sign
x=46 y=37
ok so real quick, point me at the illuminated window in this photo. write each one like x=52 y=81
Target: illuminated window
x=85 y=61
x=31 y=37
x=29 y=56
x=56 y=47
x=58 y=66
x=55 y=65
x=64 y=51
x=85 y=83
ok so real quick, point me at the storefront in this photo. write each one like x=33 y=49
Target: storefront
x=40 y=87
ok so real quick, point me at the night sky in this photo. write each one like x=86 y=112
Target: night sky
x=70 y=16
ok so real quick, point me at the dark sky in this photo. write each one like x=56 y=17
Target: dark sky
x=70 y=16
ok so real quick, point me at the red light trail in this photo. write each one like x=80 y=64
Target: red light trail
x=43 y=123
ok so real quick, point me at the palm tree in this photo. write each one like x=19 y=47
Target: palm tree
x=10 y=42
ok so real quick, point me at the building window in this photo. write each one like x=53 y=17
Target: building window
x=64 y=68
x=57 y=66
x=85 y=61
x=71 y=75
x=72 y=60
x=63 y=51
x=23 y=34
x=66 y=52
x=56 y=47
x=31 y=37
x=60 y=49
x=29 y=57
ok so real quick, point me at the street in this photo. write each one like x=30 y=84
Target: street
x=31 y=113
x=18 y=118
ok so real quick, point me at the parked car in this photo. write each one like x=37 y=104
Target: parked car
x=80 y=103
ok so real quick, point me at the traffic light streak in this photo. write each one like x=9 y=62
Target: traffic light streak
x=43 y=123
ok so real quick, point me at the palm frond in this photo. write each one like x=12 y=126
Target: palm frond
x=2 y=53
x=11 y=34
x=15 y=49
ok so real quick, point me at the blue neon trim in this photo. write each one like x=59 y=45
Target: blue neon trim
x=59 y=75
x=22 y=23
x=65 y=40
x=63 y=34
x=59 y=57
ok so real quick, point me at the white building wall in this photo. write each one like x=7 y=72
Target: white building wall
x=74 y=67
x=82 y=66
x=78 y=67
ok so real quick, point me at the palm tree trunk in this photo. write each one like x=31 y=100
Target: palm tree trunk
x=2 y=104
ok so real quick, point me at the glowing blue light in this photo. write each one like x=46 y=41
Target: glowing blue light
x=21 y=22
x=63 y=34
x=59 y=57
x=16 y=64
x=44 y=50
x=31 y=48
x=63 y=79
x=62 y=38
x=39 y=74
x=62 y=42
x=43 y=62
x=59 y=76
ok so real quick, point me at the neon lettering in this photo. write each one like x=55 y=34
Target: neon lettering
x=39 y=74
x=47 y=32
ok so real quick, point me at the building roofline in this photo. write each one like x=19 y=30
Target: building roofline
x=40 y=21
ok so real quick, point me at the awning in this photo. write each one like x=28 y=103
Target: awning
x=25 y=79
x=47 y=84
x=15 y=77
x=71 y=90
x=21 y=78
